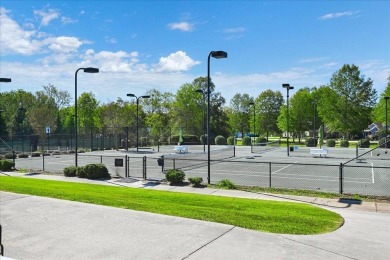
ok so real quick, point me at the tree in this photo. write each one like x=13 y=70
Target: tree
x=379 y=111
x=87 y=112
x=351 y=103
x=240 y=113
x=268 y=105
x=301 y=112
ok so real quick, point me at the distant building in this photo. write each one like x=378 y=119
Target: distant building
x=373 y=129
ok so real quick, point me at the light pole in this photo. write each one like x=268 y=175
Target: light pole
x=252 y=103
x=5 y=80
x=217 y=55
x=314 y=121
x=86 y=70
x=387 y=126
x=288 y=87
x=203 y=124
x=137 y=98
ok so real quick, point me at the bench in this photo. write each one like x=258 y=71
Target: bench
x=319 y=152
x=181 y=148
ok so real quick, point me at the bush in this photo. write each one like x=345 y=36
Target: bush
x=36 y=154
x=6 y=165
x=230 y=140
x=187 y=139
x=220 y=140
x=80 y=172
x=226 y=184
x=96 y=171
x=364 y=143
x=175 y=176
x=23 y=155
x=331 y=143
x=196 y=181
x=70 y=171
x=310 y=142
x=9 y=156
x=344 y=143
x=80 y=151
x=382 y=143
x=246 y=141
x=262 y=141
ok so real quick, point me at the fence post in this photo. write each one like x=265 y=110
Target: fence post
x=163 y=162
x=252 y=147
x=144 y=168
x=126 y=166
x=43 y=161
x=341 y=178
x=270 y=178
x=234 y=151
x=174 y=164
x=158 y=146
x=101 y=158
x=13 y=156
x=357 y=150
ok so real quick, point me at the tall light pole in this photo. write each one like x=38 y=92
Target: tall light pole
x=387 y=125
x=6 y=80
x=86 y=70
x=314 y=121
x=217 y=55
x=137 y=98
x=203 y=121
x=252 y=103
x=288 y=87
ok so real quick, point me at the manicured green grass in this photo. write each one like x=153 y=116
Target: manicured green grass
x=262 y=215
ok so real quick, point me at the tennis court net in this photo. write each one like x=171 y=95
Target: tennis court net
x=265 y=147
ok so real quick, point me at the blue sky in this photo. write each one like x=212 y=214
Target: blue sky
x=143 y=45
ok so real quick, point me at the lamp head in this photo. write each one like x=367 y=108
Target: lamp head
x=386 y=98
x=130 y=95
x=91 y=70
x=287 y=86
x=251 y=103
x=199 y=91
x=219 y=54
x=147 y=96
x=5 y=80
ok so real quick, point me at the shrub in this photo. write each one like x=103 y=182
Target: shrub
x=9 y=156
x=196 y=181
x=72 y=151
x=230 y=140
x=382 y=143
x=344 y=143
x=220 y=140
x=226 y=184
x=80 y=172
x=310 y=142
x=187 y=139
x=175 y=176
x=246 y=141
x=331 y=143
x=364 y=143
x=81 y=151
x=262 y=141
x=36 y=154
x=6 y=165
x=23 y=155
x=70 y=171
x=96 y=171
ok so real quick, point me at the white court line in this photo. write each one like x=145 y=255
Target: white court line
x=282 y=168
x=372 y=172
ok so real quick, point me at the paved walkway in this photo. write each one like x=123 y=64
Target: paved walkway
x=45 y=228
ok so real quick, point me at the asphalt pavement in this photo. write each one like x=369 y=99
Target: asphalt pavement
x=44 y=228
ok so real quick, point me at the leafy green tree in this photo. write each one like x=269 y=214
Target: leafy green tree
x=268 y=105
x=350 y=106
x=87 y=112
x=240 y=113
x=301 y=112
x=379 y=111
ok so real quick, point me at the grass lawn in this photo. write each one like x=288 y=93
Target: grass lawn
x=262 y=215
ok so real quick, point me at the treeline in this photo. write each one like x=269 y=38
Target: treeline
x=347 y=105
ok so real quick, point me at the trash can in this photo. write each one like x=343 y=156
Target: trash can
x=291 y=148
x=160 y=162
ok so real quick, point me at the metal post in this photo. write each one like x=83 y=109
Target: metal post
x=43 y=161
x=208 y=118
x=341 y=178
x=137 y=123
x=144 y=168
x=126 y=166
x=387 y=126
x=127 y=138
x=270 y=172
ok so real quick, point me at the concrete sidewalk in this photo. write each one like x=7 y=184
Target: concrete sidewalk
x=44 y=228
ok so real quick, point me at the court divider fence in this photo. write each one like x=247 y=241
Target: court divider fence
x=357 y=178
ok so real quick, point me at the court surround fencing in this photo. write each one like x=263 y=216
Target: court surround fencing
x=367 y=174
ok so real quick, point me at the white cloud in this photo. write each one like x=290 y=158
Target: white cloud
x=110 y=39
x=338 y=15
x=64 y=44
x=178 y=61
x=312 y=60
x=13 y=39
x=234 y=33
x=182 y=26
x=67 y=20
x=48 y=16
